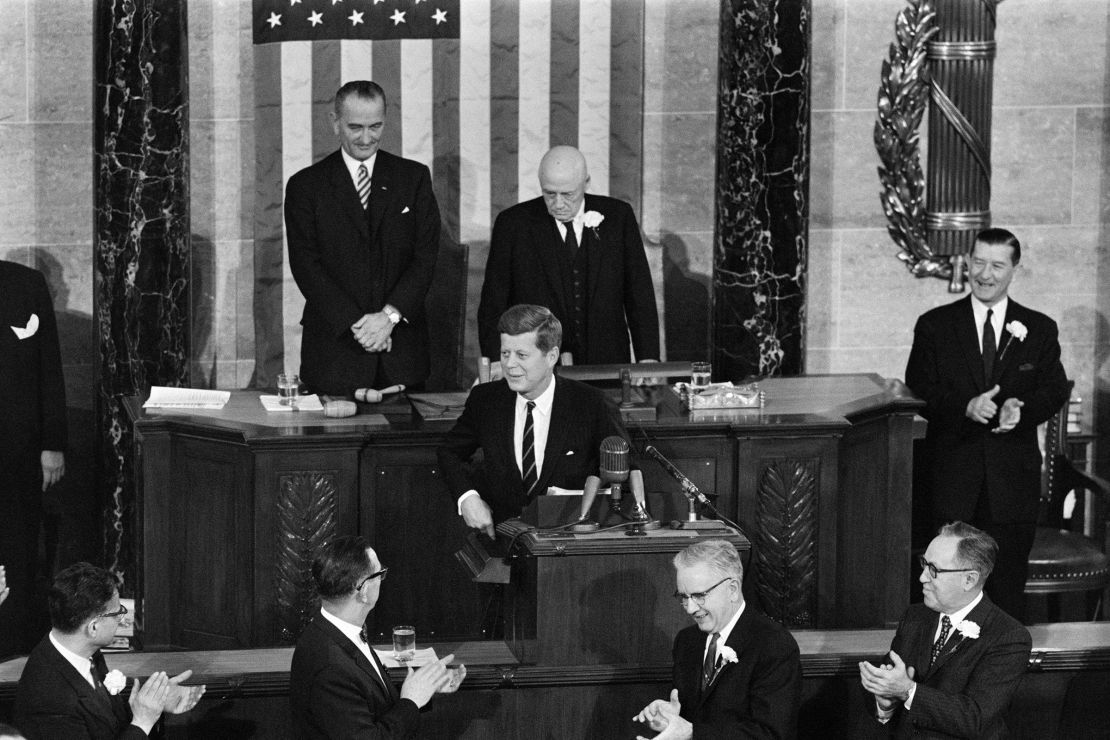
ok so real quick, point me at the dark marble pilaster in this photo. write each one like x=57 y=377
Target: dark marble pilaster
x=141 y=241
x=762 y=188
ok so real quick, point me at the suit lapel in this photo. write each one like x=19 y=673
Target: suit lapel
x=967 y=335
x=739 y=640
x=546 y=236
x=99 y=705
x=1008 y=346
x=345 y=194
x=958 y=641
x=379 y=193
x=561 y=420
x=595 y=250
x=506 y=412
x=356 y=655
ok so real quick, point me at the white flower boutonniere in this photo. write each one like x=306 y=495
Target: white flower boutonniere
x=115 y=682
x=968 y=629
x=728 y=655
x=1017 y=331
x=591 y=220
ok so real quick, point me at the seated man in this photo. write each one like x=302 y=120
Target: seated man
x=337 y=685
x=956 y=659
x=66 y=690
x=736 y=672
x=534 y=429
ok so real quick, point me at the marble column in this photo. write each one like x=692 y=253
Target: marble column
x=762 y=188
x=141 y=240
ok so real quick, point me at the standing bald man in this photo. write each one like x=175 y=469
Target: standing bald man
x=579 y=255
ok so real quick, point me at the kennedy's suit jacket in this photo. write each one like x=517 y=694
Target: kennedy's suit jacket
x=581 y=417
x=349 y=262
x=55 y=701
x=33 y=412
x=945 y=369
x=523 y=267
x=968 y=688
x=336 y=694
x=756 y=697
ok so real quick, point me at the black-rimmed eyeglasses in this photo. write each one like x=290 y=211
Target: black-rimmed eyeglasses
x=699 y=598
x=122 y=611
x=380 y=574
x=933 y=570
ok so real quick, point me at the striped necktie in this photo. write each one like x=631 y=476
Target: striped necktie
x=710 y=662
x=528 y=451
x=363 y=186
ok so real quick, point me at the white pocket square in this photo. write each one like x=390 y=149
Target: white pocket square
x=32 y=327
x=406 y=210
x=569 y=453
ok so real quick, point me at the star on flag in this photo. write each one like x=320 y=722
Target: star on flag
x=316 y=19
x=398 y=17
x=440 y=16
x=355 y=17
x=274 y=20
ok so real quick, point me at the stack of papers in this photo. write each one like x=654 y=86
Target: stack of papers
x=304 y=403
x=162 y=397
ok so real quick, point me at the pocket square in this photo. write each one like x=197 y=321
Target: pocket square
x=569 y=453
x=1025 y=367
x=405 y=210
x=31 y=328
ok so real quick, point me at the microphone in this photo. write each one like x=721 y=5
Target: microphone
x=615 y=465
x=688 y=486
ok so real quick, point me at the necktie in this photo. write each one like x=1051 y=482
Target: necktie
x=571 y=240
x=945 y=626
x=990 y=347
x=528 y=451
x=363 y=186
x=710 y=661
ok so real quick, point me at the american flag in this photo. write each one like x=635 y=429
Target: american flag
x=478 y=90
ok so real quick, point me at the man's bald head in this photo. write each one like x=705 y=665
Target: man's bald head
x=563 y=180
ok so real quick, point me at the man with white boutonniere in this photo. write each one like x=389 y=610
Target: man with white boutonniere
x=32 y=439
x=736 y=672
x=989 y=372
x=956 y=659
x=67 y=691
x=579 y=255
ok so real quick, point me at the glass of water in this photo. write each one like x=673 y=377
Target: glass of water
x=289 y=385
x=701 y=374
x=404 y=643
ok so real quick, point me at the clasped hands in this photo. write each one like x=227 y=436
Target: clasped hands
x=160 y=693
x=889 y=682
x=373 y=332
x=663 y=716
x=982 y=408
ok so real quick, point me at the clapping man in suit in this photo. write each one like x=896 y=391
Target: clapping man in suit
x=338 y=687
x=736 y=672
x=535 y=429
x=956 y=660
x=66 y=690
x=989 y=372
x=579 y=255
x=363 y=230
x=32 y=437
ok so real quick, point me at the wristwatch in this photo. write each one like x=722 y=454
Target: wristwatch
x=393 y=314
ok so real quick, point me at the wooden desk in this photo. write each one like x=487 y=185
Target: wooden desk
x=232 y=504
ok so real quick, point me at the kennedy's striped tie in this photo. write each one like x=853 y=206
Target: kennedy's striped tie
x=363 y=186
x=528 y=449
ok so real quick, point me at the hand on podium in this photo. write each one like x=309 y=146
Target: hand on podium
x=477 y=515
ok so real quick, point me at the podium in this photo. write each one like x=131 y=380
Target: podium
x=597 y=599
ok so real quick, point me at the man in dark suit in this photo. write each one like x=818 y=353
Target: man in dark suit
x=338 y=687
x=32 y=436
x=989 y=371
x=736 y=672
x=66 y=690
x=580 y=256
x=956 y=660
x=535 y=430
x=363 y=230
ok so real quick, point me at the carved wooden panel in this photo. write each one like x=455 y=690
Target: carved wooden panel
x=306 y=518
x=786 y=530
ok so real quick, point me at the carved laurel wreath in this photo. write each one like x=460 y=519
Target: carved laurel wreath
x=903 y=93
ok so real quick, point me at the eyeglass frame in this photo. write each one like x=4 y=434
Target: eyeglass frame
x=699 y=597
x=118 y=614
x=934 y=571
x=380 y=574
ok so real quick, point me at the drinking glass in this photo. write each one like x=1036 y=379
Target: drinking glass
x=701 y=373
x=404 y=643
x=288 y=389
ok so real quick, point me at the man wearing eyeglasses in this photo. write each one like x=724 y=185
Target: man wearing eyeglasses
x=956 y=660
x=66 y=690
x=736 y=672
x=337 y=685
